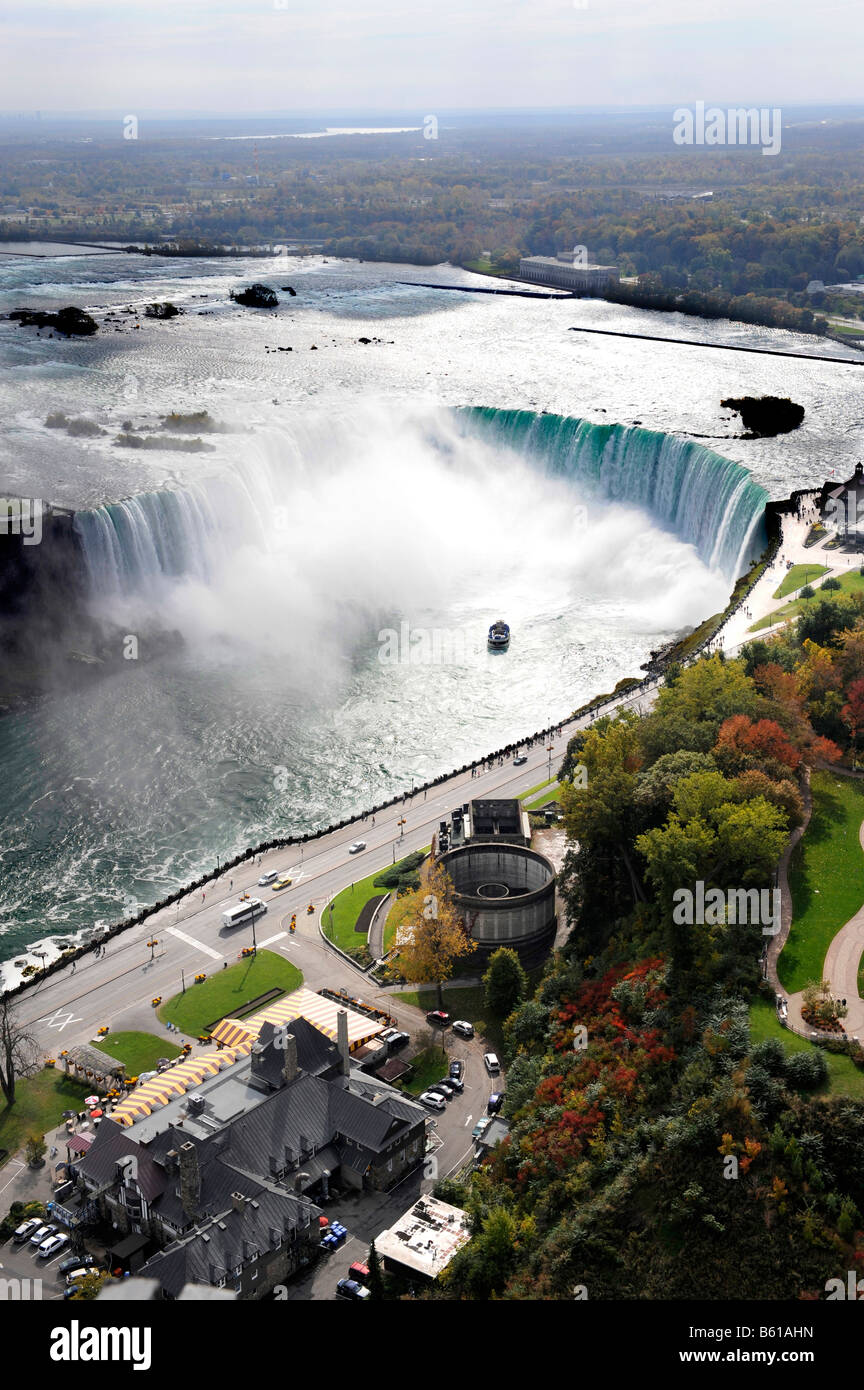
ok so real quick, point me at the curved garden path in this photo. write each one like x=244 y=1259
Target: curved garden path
x=843 y=955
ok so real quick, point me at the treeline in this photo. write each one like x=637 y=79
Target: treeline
x=750 y=308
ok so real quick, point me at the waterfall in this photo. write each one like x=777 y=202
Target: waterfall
x=134 y=546
x=705 y=499
x=137 y=546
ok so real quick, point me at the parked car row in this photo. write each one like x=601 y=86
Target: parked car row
x=46 y=1237
x=441 y=1018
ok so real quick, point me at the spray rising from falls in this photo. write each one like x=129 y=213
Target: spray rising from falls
x=707 y=500
x=307 y=504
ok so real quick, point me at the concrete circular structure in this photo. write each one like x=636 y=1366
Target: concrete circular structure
x=505 y=893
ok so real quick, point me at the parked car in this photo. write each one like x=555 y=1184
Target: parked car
x=394 y=1039
x=444 y=1089
x=433 y=1100
x=359 y=1271
x=268 y=878
x=42 y=1234
x=481 y=1127
x=495 y=1101
x=52 y=1246
x=350 y=1288
x=75 y=1262
x=465 y=1030
x=27 y=1228
x=457 y=1068
x=454 y=1082
x=357 y=846
x=74 y=1277
x=493 y=1066
x=439 y=1016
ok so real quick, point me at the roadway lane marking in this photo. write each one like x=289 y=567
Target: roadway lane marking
x=278 y=937
x=11 y=1179
x=54 y=1020
x=190 y=941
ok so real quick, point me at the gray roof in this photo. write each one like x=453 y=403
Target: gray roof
x=112 y=1142
x=231 y=1238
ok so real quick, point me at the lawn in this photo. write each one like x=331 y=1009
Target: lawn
x=850 y=583
x=429 y=1066
x=39 y=1104
x=339 y=918
x=552 y=794
x=826 y=877
x=223 y=994
x=547 y=782
x=140 y=1051
x=844 y=1078
x=797 y=577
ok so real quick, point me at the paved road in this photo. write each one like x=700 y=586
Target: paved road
x=115 y=989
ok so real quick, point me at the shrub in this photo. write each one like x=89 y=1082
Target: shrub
x=806 y=1070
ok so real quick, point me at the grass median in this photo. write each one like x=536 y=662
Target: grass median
x=339 y=919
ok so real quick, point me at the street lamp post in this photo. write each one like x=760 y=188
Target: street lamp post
x=550 y=748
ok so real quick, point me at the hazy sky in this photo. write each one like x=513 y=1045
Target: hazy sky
x=293 y=55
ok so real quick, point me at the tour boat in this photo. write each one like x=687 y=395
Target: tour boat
x=499 y=636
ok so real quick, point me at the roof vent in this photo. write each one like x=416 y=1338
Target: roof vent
x=195 y=1104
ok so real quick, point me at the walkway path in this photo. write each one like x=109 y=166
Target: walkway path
x=761 y=601
x=843 y=956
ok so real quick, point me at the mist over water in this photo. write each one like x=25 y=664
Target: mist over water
x=325 y=530
x=284 y=571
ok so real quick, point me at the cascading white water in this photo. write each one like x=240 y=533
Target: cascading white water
x=704 y=498
x=133 y=547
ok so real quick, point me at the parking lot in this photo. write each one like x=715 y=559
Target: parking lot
x=22 y=1262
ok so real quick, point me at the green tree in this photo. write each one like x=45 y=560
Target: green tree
x=505 y=982
x=35 y=1148
x=377 y=1290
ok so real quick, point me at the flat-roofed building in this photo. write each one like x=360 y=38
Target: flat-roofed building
x=564 y=274
x=425 y=1239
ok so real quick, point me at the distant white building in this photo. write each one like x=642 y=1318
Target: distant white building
x=562 y=273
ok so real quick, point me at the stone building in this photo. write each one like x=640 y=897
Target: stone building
x=222 y=1183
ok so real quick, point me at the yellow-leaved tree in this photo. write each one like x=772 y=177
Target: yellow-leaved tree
x=432 y=936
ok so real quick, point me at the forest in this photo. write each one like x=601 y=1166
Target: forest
x=720 y=222
x=657 y=1149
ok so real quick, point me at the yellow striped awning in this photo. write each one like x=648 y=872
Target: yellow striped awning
x=303 y=1003
x=230 y=1032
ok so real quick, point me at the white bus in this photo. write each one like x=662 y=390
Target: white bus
x=243 y=912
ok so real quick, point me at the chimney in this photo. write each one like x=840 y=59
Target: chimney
x=238 y=1201
x=257 y=1059
x=190 y=1179
x=289 y=1066
x=342 y=1040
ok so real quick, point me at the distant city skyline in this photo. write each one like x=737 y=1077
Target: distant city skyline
x=269 y=56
